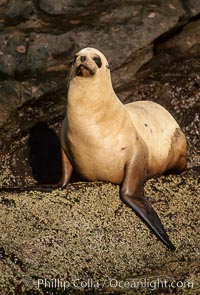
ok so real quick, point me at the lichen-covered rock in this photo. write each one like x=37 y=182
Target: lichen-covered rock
x=85 y=232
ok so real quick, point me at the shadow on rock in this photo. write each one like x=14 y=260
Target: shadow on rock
x=45 y=156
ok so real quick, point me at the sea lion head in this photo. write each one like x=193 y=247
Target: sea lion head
x=88 y=62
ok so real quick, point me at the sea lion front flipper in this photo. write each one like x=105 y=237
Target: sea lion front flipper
x=131 y=194
x=67 y=170
x=144 y=209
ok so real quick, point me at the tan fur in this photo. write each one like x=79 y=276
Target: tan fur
x=100 y=135
x=157 y=128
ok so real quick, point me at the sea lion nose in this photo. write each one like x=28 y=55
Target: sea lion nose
x=83 y=58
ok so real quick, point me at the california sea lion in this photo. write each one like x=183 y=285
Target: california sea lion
x=105 y=140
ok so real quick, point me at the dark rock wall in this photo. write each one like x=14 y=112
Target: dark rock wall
x=38 y=39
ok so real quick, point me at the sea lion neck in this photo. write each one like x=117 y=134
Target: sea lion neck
x=92 y=102
x=89 y=93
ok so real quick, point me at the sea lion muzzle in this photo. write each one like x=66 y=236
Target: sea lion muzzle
x=84 y=71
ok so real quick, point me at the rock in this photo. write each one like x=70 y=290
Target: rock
x=139 y=31
x=17 y=11
x=30 y=54
x=9 y=99
x=192 y=7
x=12 y=53
x=15 y=98
x=63 y=6
x=184 y=44
x=46 y=51
x=15 y=151
x=85 y=233
x=25 y=55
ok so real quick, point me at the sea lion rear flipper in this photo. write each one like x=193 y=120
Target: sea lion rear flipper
x=131 y=194
x=144 y=209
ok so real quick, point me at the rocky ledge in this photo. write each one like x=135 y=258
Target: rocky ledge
x=85 y=237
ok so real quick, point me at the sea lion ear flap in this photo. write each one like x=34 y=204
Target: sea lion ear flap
x=72 y=60
x=144 y=210
x=108 y=67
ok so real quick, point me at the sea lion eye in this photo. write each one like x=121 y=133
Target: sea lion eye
x=98 y=62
